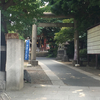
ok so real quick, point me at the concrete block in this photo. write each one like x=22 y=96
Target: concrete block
x=15 y=64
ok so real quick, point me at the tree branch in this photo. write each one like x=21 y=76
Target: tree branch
x=8 y=4
x=2 y=1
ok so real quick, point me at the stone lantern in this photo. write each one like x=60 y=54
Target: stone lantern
x=61 y=53
x=65 y=56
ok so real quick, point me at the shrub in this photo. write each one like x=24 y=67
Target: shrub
x=83 y=53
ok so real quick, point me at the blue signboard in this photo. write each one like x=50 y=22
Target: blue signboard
x=27 y=50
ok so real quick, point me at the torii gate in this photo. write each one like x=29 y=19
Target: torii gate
x=51 y=15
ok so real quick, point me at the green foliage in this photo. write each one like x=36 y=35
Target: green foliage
x=86 y=12
x=65 y=34
x=18 y=14
x=39 y=30
x=21 y=37
x=83 y=53
x=53 y=50
x=25 y=31
x=47 y=8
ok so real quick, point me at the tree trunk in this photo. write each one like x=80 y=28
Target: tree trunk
x=4 y=24
x=76 y=43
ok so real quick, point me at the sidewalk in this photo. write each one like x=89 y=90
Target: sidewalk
x=47 y=86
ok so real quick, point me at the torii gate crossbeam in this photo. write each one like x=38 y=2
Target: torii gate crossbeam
x=56 y=25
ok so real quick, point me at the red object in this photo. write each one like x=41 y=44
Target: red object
x=43 y=45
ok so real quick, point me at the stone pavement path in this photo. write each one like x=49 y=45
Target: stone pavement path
x=38 y=76
x=55 y=92
x=70 y=75
x=39 y=90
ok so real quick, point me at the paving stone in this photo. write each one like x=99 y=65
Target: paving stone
x=2 y=85
x=4 y=96
x=38 y=76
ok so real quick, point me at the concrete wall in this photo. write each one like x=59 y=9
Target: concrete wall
x=15 y=64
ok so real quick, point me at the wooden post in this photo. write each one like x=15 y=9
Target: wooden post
x=87 y=59
x=76 y=43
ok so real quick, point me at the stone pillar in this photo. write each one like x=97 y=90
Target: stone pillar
x=76 y=44
x=15 y=64
x=65 y=57
x=34 y=41
x=60 y=52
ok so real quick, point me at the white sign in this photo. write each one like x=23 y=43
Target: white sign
x=93 y=40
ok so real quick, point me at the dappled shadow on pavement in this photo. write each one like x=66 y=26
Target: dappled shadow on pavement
x=38 y=76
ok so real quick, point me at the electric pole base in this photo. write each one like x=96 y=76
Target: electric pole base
x=34 y=63
x=2 y=80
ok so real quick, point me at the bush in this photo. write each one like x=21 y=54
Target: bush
x=53 y=50
x=83 y=53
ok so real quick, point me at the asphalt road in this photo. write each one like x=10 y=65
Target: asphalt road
x=69 y=76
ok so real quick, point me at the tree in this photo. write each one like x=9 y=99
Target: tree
x=86 y=12
x=65 y=34
x=17 y=14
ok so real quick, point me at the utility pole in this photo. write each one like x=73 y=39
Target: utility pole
x=2 y=58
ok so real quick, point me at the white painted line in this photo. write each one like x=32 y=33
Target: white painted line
x=54 y=78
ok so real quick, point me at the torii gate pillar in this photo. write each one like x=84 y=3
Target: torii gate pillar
x=76 y=45
x=34 y=40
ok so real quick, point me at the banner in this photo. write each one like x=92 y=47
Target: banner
x=27 y=50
